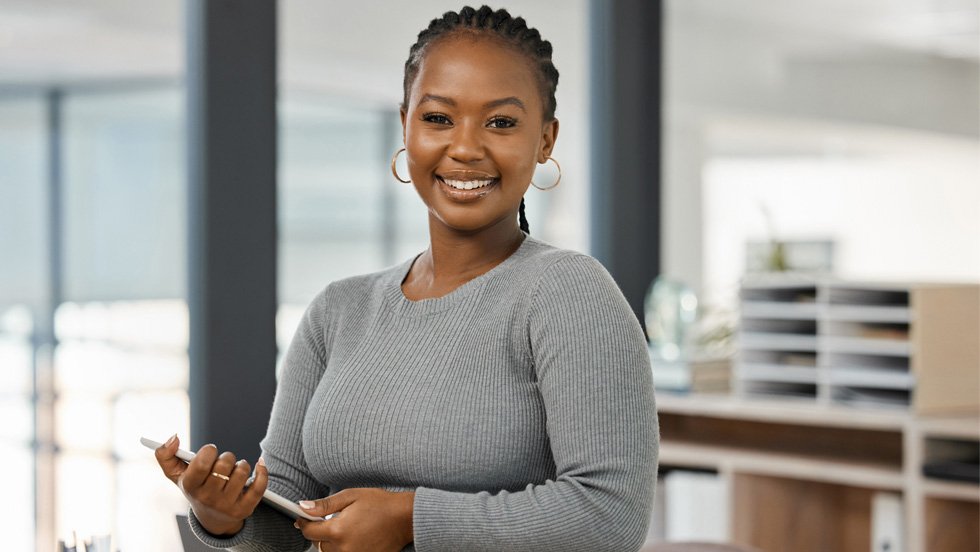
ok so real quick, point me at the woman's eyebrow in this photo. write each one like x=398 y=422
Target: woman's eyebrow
x=505 y=101
x=489 y=105
x=435 y=98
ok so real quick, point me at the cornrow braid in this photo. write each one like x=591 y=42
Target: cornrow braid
x=523 y=219
x=511 y=30
x=499 y=23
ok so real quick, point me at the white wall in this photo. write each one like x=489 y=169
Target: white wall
x=906 y=217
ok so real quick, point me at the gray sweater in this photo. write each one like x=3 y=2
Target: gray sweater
x=519 y=408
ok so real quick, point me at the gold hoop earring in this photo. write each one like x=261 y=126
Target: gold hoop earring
x=556 y=181
x=394 y=172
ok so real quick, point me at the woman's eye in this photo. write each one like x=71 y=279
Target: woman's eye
x=501 y=122
x=436 y=118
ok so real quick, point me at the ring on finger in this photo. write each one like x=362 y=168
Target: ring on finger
x=220 y=476
x=318 y=543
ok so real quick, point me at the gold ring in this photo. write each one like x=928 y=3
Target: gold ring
x=318 y=543
x=218 y=475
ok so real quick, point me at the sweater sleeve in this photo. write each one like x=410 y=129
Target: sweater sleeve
x=267 y=530
x=593 y=370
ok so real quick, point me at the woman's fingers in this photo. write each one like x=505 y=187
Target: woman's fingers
x=253 y=494
x=199 y=470
x=319 y=531
x=239 y=475
x=367 y=519
x=331 y=504
x=172 y=466
x=214 y=484
x=220 y=473
x=325 y=530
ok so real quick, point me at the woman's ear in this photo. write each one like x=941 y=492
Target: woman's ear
x=549 y=135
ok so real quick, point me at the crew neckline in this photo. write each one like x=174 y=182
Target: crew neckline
x=405 y=306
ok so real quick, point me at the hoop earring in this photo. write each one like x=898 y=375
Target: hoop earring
x=556 y=181
x=394 y=172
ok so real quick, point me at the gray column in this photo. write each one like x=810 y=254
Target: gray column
x=625 y=71
x=231 y=137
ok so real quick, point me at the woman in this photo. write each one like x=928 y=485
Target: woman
x=494 y=393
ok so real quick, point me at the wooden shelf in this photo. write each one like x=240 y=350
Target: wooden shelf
x=782 y=411
x=779 y=373
x=775 y=309
x=865 y=345
x=953 y=490
x=730 y=459
x=959 y=427
x=861 y=313
x=777 y=341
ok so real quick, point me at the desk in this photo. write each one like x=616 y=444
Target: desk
x=803 y=476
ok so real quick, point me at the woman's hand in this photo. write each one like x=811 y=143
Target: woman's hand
x=367 y=520
x=221 y=504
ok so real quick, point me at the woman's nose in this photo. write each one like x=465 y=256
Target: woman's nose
x=466 y=145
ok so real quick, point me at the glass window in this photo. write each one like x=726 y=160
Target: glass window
x=120 y=367
x=124 y=196
x=338 y=203
x=333 y=194
x=23 y=200
x=23 y=272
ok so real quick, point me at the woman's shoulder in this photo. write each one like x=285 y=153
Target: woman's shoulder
x=563 y=280
x=555 y=263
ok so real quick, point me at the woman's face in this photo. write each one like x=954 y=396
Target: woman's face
x=473 y=132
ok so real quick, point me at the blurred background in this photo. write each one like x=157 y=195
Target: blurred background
x=848 y=126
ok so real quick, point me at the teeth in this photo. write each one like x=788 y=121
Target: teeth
x=468 y=184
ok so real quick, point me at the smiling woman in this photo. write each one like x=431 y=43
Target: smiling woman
x=474 y=128
x=492 y=393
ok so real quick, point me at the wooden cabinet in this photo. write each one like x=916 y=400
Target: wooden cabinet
x=803 y=477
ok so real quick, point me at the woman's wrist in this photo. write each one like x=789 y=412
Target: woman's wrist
x=406 y=516
x=219 y=528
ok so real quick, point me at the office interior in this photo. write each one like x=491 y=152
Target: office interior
x=843 y=135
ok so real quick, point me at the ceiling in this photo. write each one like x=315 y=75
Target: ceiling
x=57 y=41
x=44 y=41
x=946 y=28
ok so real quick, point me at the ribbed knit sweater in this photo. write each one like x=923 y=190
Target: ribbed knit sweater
x=519 y=408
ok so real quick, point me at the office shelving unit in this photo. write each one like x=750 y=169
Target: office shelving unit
x=879 y=345
x=844 y=391
x=778 y=340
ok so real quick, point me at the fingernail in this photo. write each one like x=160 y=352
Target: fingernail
x=171 y=440
x=296 y=524
x=306 y=504
x=261 y=461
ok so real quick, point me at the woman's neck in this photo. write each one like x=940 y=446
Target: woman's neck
x=454 y=259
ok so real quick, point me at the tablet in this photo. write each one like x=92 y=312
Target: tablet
x=278 y=502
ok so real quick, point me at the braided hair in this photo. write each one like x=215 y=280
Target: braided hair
x=500 y=24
